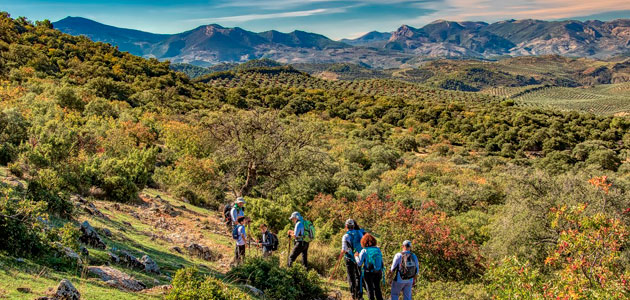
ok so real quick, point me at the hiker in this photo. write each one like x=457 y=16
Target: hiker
x=240 y=236
x=350 y=248
x=371 y=259
x=406 y=270
x=238 y=210
x=268 y=241
x=303 y=234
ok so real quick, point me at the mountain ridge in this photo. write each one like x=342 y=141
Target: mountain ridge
x=407 y=46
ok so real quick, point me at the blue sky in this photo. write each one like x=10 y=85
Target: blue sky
x=333 y=18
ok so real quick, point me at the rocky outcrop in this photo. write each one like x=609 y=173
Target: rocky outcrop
x=150 y=266
x=116 y=278
x=85 y=205
x=90 y=237
x=130 y=260
x=65 y=291
x=69 y=253
x=202 y=252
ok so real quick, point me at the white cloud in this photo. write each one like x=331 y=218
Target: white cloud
x=289 y=14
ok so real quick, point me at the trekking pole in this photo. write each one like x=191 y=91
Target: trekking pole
x=288 y=249
x=335 y=268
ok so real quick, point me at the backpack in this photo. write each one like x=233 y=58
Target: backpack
x=407 y=267
x=235 y=233
x=373 y=260
x=226 y=213
x=355 y=240
x=273 y=246
x=309 y=231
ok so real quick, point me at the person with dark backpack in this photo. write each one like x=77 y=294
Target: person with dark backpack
x=268 y=242
x=240 y=236
x=371 y=259
x=406 y=268
x=350 y=248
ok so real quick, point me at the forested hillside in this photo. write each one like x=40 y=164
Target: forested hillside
x=501 y=201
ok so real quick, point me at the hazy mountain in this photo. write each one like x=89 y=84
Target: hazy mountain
x=214 y=44
x=371 y=39
x=133 y=41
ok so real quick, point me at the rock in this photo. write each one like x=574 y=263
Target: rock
x=12 y=181
x=254 y=291
x=66 y=291
x=163 y=224
x=176 y=249
x=87 y=206
x=96 y=192
x=334 y=295
x=106 y=232
x=202 y=252
x=24 y=290
x=84 y=251
x=69 y=253
x=113 y=257
x=130 y=260
x=116 y=278
x=127 y=224
x=90 y=237
x=150 y=266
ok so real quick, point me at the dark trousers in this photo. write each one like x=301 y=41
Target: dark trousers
x=354 y=278
x=299 y=248
x=239 y=253
x=373 y=284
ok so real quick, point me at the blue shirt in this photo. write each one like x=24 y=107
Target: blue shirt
x=397 y=261
x=299 y=231
x=362 y=259
x=242 y=235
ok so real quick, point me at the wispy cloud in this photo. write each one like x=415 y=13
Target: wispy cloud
x=288 y=14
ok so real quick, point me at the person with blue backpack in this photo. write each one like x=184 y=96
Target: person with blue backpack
x=350 y=248
x=303 y=233
x=238 y=210
x=240 y=236
x=371 y=259
x=406 y=269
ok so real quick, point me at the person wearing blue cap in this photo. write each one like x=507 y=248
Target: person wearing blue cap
x=406 y=269
x=301 y=239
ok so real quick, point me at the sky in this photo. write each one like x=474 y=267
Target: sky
x=334 y=18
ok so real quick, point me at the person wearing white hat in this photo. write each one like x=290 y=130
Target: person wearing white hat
x=301 y=243
x=406 y=269
x=238 y=210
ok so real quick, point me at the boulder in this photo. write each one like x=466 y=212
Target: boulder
x=254 y=291
x=113 y=257
x=69 y=253
x=202 y=252
x=106 y=232
x=130 y=260
x=84 y=251
x=90 y=237
x=24 y=290
x=86 y=205
x=66 y=291
x=116 y=278
x=150 y=266
x=176 y=249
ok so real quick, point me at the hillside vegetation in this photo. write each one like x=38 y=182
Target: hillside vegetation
x=501 y=201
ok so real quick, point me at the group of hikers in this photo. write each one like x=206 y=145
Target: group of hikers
x=363 y=258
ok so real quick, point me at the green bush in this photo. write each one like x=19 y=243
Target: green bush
x=189 y=284
x=293 y=283
x=21 y=223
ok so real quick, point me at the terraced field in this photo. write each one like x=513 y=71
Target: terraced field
x=600 y=99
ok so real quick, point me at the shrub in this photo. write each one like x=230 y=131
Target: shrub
x=279 y=283
x=21 y=222
x=189 y=284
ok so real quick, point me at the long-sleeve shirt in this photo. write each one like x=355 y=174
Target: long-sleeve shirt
x=235 y=213
x=362 y=259
x=242 y=235
x=299 y=231
x=265 y=242
x=398 y=260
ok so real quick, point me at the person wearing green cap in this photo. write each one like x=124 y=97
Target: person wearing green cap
x=406 y=269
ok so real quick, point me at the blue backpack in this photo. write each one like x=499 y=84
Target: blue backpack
x=355 y=240
x=373 y=260
x=235 y=233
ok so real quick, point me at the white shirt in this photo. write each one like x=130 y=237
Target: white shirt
x=398 y=260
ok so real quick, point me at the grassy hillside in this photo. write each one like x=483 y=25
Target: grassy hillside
x=498 y=197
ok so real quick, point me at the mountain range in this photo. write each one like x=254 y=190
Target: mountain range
x=213 y=44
